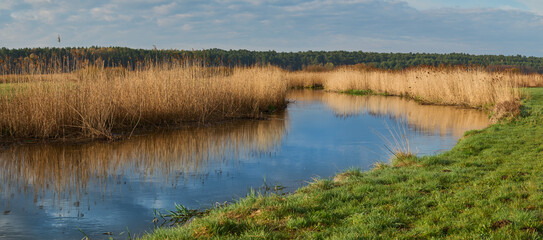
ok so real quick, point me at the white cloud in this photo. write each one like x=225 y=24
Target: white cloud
x=7 y=4
x=186 y=27
x=253 y=2
x=102 y=13
x=136 y=1
x=244 y=16
x=466 y=4
x=174 y=19
x=164 y=9
x=370 y=25
x=424 y=4
x=37 y=1
x=109 y=13
x=321 y=4
x=534 y=5
x=42 y=15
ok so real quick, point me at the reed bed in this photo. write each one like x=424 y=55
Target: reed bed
x=302 y=79
x=447 y=86
x=529 y=80
x=96 y=102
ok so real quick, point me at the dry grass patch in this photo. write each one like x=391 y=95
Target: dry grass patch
x=505 y=110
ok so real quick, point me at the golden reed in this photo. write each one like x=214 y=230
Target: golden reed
x=95 y=102
x=448 y=86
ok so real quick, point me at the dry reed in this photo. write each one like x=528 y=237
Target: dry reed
x=95 y=102
x=448 y=86
x=302 y=79
x=528 y=80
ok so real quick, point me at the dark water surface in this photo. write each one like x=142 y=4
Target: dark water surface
x=52 y=191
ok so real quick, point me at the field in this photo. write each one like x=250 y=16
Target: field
x=488 y=186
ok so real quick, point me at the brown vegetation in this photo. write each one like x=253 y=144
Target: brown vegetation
x=95 y=102
x=448 y=86
x=302 y=79
x=505 y=110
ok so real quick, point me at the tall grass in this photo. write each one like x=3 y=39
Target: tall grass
x=448 y=86
x=96 y=102
x=528 y=80
x=303 y=79
x=397 y=144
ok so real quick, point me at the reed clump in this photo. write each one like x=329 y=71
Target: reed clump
x=96 y=102
x=470 y=87
x=303 y=79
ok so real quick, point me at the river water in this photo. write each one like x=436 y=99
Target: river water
x=53 y=191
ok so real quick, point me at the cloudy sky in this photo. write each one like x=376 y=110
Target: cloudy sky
x=506 y=27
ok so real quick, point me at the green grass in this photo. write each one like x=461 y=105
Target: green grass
x=490 y=185
x=10 y=88
x=5 y=88
x=364 y=92
x=312 y=87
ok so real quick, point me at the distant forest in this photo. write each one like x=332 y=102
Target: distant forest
x=68 y=59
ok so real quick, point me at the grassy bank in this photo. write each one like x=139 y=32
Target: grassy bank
x=98 y=102
x=488 y=186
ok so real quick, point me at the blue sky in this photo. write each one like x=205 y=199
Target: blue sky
x=440 y=26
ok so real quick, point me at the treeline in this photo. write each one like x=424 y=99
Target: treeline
x=68 y=59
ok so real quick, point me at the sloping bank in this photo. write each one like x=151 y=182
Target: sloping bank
x=490 y=185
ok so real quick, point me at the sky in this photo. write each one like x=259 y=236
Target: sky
x=507 y=27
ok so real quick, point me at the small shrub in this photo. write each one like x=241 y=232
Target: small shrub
x=507 y=110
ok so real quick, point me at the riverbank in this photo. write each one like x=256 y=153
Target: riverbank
x=488 y=186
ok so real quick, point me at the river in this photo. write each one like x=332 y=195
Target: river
x=105 y=189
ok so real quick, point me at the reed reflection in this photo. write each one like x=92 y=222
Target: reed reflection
x=425 y=118
x=163 y=158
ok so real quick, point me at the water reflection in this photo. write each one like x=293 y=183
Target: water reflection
x=49 y=191
x=429 y=119
x=68 y=170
